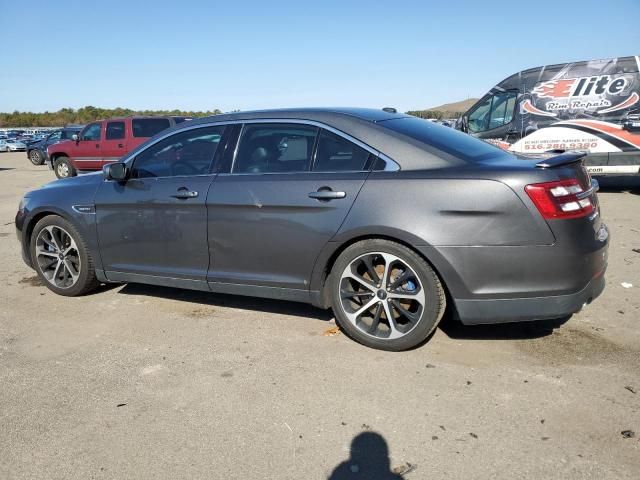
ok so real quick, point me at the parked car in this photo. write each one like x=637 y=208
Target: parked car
x=386 y=218
x=103 y=142
x=11 y=145
x=37 y=151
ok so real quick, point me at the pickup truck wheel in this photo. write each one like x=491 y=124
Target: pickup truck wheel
x=36 y=157
x=63 y=168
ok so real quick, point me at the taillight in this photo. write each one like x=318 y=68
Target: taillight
x=561 y=199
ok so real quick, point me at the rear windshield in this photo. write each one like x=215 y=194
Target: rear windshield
x=445 y=139
x=148 y=127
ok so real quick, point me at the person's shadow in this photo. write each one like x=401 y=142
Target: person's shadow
x=369 y=460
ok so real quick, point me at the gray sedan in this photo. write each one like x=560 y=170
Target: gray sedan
x=11 y=145
x=390 y=220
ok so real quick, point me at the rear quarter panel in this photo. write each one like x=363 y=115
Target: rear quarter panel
x=453 y=222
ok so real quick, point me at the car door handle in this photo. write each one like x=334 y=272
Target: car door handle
x=120 y=145
x=325 y=195
x=184 y=193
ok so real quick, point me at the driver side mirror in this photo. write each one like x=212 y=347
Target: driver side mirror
x=115 y=171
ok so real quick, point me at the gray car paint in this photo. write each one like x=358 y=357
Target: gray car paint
x=262 y=235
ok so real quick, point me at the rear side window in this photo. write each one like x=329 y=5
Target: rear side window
x=148 y=127
x=445 y=139
x=273 y=148
x=115 y=130
x=337 y=154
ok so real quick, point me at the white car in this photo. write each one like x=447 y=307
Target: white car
x=11 y=145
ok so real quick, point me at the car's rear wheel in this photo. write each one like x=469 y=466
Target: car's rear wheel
x=36 y=157
x=385 y=296
x=63 y=168
x=61 y=258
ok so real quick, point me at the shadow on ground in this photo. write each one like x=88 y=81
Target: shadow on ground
x=502 y=331
x=369 y=459
x=452 y=328
x=279 y=307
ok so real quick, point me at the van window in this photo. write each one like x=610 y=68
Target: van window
x=148 y=127
x=494 y=111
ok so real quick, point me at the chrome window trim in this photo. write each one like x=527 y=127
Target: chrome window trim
x=391 y=165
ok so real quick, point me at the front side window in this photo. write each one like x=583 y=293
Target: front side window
x=186 y=153
x=115 y=130
x=274 y=148
x=68 y=134
x=54 y=137
x=92 y=132
x=148 y=127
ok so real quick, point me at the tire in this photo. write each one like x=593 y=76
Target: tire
x=36 y=157
x=63 y=168
x=72 y=272
x=367 y=273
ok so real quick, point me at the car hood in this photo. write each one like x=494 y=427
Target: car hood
x=80 y=181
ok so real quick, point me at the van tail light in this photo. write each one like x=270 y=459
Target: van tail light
x=562 y=199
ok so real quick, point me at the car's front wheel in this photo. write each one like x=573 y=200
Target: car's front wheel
x=61 y=258
x=63 y=168
x=385 y=296
x=36 y=157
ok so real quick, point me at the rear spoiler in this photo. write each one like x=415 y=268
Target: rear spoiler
x=565 y=158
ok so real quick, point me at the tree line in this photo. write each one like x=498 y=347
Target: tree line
x=90 y=114
x=437 y=114
x=85 y=115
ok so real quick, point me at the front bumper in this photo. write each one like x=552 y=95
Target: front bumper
x=472 y=312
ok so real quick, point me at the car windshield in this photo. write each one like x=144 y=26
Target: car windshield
x=445 y=139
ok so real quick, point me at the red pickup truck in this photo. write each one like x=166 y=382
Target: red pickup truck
x=104 y=142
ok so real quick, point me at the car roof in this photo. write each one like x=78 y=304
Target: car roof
x=363 y=124
x=367 y=114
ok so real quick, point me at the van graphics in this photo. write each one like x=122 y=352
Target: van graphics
x=581 y=87
x=527 y=107
x=598 y=94
x=587 y=135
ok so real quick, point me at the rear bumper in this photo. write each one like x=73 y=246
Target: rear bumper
x=472 y=312
x=520 y=283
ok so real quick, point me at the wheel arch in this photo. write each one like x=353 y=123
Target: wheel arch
x=32 y=221
x=327 y=260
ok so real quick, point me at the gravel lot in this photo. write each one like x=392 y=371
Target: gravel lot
x=148 y=382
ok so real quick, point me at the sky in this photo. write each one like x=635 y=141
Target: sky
x=203 y=55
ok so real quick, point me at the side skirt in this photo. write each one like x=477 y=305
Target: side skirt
x=288 y=294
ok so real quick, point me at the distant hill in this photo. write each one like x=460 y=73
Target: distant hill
x=448 y=110
x=461 y=106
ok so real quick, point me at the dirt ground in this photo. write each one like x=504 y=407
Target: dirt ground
x=148 y=382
